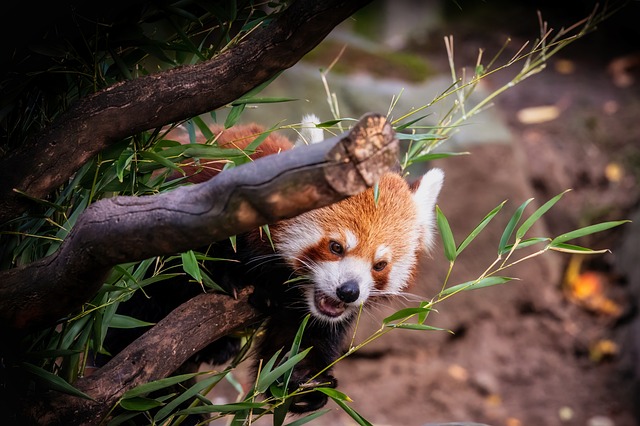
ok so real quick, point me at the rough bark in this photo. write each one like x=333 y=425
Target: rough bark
x=124 y=109
x=126 y=229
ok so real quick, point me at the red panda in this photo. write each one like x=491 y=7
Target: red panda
x=346 y=254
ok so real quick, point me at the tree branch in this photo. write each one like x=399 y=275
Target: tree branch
x=155 y=355
x=153 y=101
x=127 y=229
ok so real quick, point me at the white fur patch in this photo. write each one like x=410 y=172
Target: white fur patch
x=309 y=132
x=296 y=236
x=383 y=252
x=425 y=199
x=351 y=239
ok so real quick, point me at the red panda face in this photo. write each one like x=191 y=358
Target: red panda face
x=360 y=248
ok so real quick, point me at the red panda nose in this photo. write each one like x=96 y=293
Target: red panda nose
x=349 y=291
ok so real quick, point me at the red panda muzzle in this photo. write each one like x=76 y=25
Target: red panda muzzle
x=328 y=306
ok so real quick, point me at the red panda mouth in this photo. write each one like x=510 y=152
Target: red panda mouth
x=328 y=306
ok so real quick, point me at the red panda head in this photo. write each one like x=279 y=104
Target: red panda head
x=360 y=247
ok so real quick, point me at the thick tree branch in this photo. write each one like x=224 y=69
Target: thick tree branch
x=155 y=355
x=149 y=102
x=126 y=229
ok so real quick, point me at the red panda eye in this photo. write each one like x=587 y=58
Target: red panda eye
x=379 y=266
x=336 y=248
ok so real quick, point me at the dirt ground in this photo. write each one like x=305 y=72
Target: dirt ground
x=533 y=352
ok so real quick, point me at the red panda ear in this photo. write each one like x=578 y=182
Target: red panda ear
x=425 y=197
x=309 y=132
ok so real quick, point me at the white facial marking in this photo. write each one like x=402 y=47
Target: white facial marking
x=297 y=236
x=383 y=252
x=351 y=238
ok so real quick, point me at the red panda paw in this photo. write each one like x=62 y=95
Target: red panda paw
x=314 y=400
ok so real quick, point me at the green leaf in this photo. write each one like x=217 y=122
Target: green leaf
x=404 y=313
x=122 y=163
x=265 y=380
x=203 y=127
x=340 y=400
x=234 y=115
x=268 y=100
x=152 y=156
x=526 y=243
x=122 y=418
x=446 y=234
x=146 y=388
x=124 y=321
x=573 y=249
x=402 y=127
x=54 y=382
x=472 y=285
x=587 y=230
x=210 y=151
x=479 y=228
x=226 y=408
x=295 y=347
x=436 y=156
x=417 y=327
x=189 y=393
x=513 y=222
x=190 y=265
x=537 y=215
x=334 y=394
x=307 y=419
x=139 y=403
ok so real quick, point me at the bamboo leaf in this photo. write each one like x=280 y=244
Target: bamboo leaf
x=479 y=228
x=267 y=100
x=587 y=230
x=265 y=380
x=124 y=321
x=190 y=265
x=189 y=393
x=404 y=313
x=152 y=156
x=472 y=285
x=573 y=249
x=54 y=382
x=307 y=419
x=436 y=156
x=139 y=403
x=417 y=327
x=537 y=215
x=295 y=347
x=526 y=243
x=234 y=115
x=146 y=388
x=446 y=234
x=513 y=222
x=226 y=408
x=339 y=399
